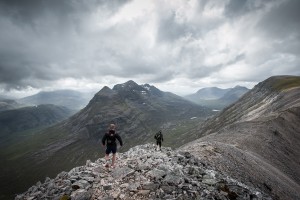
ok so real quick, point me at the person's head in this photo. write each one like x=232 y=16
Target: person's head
x=112 y=126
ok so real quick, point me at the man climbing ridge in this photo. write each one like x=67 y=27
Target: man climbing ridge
x=159 y=138
x=109 y=139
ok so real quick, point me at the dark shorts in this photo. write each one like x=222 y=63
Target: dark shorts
x=158 y=143
x=111 y=149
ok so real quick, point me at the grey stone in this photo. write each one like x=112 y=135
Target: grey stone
x=150 y=186
x=81 y=184
x=168 y=189
x=156 y=174
x=81 y=194
x=173 y=179
x=120 y=173
x=107 y=187
x=209 y=181
x=151 y=175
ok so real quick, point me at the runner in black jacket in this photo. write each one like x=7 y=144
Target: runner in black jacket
x=109 y=139
x=159 y=138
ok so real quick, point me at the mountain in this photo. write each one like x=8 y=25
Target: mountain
x=143 y=173
x=22 y=119
x=208 y=93
x=21 y=126
x=216 y=98
x=233 y=94
x=139 y=111
x=256 y=139
x=9 y=104
x=71 y=99
x=250 y=150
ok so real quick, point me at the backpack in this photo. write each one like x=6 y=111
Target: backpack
x=111 y=138
x=158 y=136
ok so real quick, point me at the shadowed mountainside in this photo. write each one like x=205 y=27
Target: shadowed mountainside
x=216 y=98
x=19 y=120
x=256 y=140
x=9 y=104
x=138 y=110
x=71 y=99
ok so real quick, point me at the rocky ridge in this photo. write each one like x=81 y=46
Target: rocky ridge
x=256 y=140
x=144 y=173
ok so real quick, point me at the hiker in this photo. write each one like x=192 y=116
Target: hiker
x=159 y=138
x=109 y=139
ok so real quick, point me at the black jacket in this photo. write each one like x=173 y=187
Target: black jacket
x=159 y=137
x=110 y=138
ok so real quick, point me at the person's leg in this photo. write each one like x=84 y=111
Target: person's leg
x=113 y=160
x=114 y=151
x=107 y=152
x=159 y=144
x=106 y=160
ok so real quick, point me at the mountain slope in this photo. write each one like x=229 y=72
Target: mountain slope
x=138 y=111
x=208 y=93
x=23 y=119
x=216 y=98
x=18 y=137
x=9 y=104
x=256 y=140
x=68 y=98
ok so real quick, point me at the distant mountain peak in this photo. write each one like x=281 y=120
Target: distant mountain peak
x=129 y=85
x=239 y=86
x=105 y=91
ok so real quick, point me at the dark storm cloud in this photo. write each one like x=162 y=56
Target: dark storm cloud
x=169 y=30
x=38 y=35
x=237 y=8
x=283 y=21
x=46 y=42
x=29 y=11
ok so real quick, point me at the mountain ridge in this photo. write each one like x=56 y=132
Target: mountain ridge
x=256 y=140
x=138 y=111
x=71 y=99
x=217 y=98
x=143 y=173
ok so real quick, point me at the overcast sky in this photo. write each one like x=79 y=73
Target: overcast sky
x=178 y=46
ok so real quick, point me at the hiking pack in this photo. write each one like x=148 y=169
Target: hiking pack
x=111 y=138
x=158 y=136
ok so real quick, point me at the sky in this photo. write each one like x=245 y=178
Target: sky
x=178 y=46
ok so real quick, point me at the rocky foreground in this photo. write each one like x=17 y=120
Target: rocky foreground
x=143 y=173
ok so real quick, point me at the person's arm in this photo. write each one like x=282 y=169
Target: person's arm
x=119 y=139
x=162 y=137
x=103 y=139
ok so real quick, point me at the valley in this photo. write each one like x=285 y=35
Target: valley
x=255 y=140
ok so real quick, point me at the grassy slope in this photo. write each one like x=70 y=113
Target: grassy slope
x=18 y=159
x=286 y=83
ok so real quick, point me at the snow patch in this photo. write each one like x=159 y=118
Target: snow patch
x=146 y=87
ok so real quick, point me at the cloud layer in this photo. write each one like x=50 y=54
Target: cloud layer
x=179 y=45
